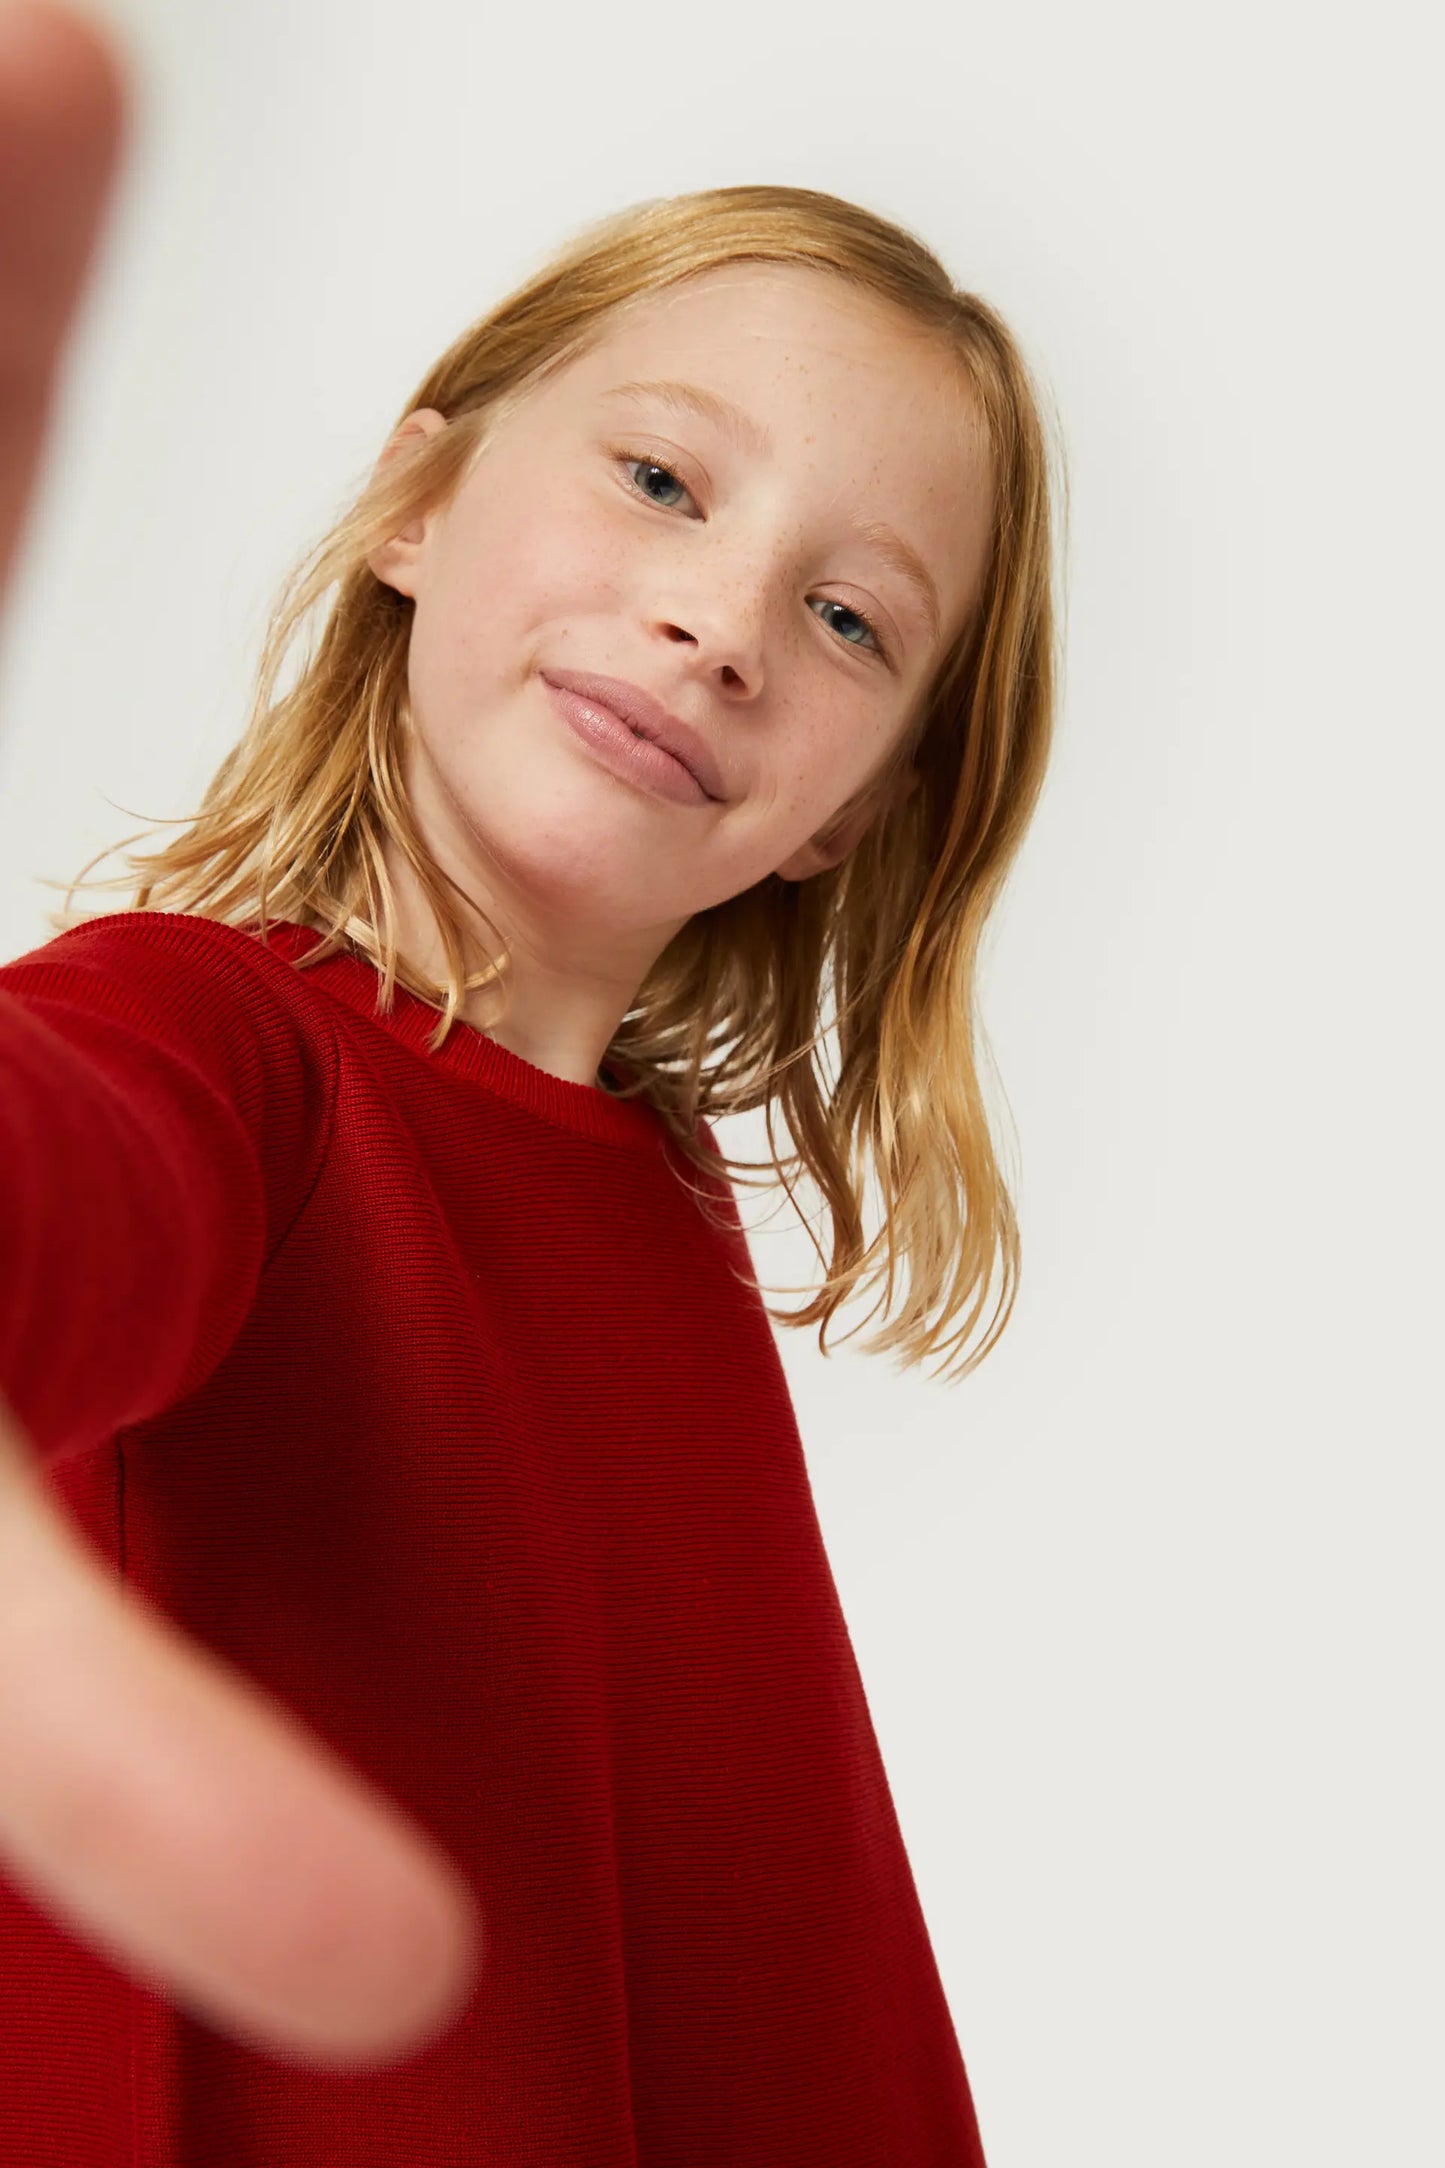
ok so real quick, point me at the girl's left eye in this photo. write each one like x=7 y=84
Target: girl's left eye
x=655 y=466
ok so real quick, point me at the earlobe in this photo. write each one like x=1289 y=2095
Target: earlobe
x=824 y=851
x=392 y=562
x=832 y=845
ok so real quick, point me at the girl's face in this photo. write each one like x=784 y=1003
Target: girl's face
x=735 y=570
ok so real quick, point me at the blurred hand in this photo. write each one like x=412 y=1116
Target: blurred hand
x=160 y=1806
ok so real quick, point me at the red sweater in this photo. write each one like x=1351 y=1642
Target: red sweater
x=417 y=1387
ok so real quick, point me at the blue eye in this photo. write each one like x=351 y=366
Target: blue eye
x=652 y=467
x=848 y=611
x=655 y=466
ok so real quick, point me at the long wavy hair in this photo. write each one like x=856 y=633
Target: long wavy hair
x=733 y=1014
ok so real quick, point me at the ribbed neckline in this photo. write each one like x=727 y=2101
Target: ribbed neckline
x=354 y=979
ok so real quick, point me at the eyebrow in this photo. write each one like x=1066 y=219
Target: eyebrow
x=695 y=401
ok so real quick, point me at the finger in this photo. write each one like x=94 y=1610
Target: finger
x=191 y=1830
x=63 y=101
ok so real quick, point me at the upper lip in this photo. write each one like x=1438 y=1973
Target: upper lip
x=650 y=719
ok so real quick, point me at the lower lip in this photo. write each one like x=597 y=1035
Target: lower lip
x=628 y=756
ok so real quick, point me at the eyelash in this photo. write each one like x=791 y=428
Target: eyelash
x=650 y=459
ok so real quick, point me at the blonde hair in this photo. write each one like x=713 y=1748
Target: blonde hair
x=730 y=1017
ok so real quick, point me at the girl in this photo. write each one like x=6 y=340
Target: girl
x=428 y=1729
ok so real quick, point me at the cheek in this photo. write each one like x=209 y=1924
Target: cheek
x=536 y=555
x=529 y=565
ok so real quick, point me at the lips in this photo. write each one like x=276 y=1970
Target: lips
x=649 y=719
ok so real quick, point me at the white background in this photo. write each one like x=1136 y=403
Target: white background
x=1148 y=1609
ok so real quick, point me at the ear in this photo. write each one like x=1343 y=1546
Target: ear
x=832 y=845
x=394 y=562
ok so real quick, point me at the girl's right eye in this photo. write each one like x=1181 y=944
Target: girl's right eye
x=652 y=466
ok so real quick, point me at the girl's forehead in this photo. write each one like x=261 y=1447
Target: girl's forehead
x=785 y=342
x=738 y=310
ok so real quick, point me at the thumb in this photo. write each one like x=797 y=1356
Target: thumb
x=63 y=100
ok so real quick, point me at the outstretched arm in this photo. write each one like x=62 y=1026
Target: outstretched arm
x=171 y=1814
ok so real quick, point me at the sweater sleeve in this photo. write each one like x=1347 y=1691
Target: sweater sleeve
x=165 y=1099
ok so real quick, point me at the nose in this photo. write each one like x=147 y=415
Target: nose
x=728 y=671
x=728 y=638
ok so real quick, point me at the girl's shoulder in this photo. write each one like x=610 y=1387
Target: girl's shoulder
x=169 y=949
x=199 y=987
